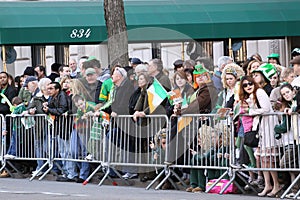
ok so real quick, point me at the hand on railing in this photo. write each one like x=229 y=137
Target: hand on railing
x=113 y=114
x=193 y=152
x=138 y=114
x=288 y=111
x=225 y=155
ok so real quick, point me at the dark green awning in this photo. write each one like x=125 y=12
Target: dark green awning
x=51 y=22
x=155 y=20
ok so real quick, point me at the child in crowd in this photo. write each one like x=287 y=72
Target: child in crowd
x=85 y=110
x=214 y=151
x=18 y=108
x=158 y=146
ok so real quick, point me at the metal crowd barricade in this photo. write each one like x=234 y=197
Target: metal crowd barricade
x=28 y=140
x=128 y=144
x=276 y=152
x=191 y=140
x=78 y=142
x=2 y=142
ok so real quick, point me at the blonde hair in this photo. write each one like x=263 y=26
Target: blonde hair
x=77 y=87
x=233 y=69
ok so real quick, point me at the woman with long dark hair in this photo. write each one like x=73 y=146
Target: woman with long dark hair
x=258 y=103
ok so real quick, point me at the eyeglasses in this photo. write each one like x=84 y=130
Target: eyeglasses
x=247 y=84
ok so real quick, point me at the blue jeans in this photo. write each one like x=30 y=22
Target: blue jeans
x=69 y=167
x=79 y=151
x=12 y=146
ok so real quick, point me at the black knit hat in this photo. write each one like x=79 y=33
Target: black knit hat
x=29 y=71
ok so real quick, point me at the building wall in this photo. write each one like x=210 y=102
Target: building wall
x=169 y=53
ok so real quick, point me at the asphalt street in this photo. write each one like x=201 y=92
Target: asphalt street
x=12 y=189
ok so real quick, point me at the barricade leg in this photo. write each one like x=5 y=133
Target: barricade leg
x=290 y=187
x=106 y=175
x=38 y=171
x=227 y=185
x=296 y=196
x=163 y=181
x=179 y=179
x=92 y=174
x=237 y=173
x=156 y=179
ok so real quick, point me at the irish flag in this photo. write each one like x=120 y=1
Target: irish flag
x=183 y=122
x=156 y=94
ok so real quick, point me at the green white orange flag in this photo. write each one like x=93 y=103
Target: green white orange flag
x=156 y=94
x=183 y=122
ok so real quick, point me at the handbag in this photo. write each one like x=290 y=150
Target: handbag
x=251 y=138
x=220 y=185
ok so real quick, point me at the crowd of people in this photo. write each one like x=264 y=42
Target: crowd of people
x=88 y=89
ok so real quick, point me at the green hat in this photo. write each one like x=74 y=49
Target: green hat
x=267 y=69
x=91 y=58
x=273 y=55
x=199 y=69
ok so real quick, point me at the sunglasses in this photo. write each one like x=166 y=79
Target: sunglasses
x=247 y=84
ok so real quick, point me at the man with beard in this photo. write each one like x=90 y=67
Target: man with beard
x=8 y=92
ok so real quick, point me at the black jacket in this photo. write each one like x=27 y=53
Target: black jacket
x=10 y=92
x=121 y=98
x=58 y=105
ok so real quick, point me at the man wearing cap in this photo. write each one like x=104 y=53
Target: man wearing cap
x=120 y=95
x=201 y=102
x=31 y=83
x=134 y=62
x=90 y=83
x=178 y=65
x=24 y=94
x=273 y=58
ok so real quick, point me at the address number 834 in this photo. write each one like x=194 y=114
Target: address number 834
x=79 y=33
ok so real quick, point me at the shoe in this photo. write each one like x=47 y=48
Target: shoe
x=167 y=186
x=36 y=173
x=80 y=180
x=89 y=157
x=257 y=182
x=144 y=179
x=197 y=189
x=275 y=194
x=190 y=189
x=247 y=188
x=290 y=195
x=263 y=194
x=4 y=174
x=8 y=156
x=129 y=175
x=187 y=181
x=66 y=179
